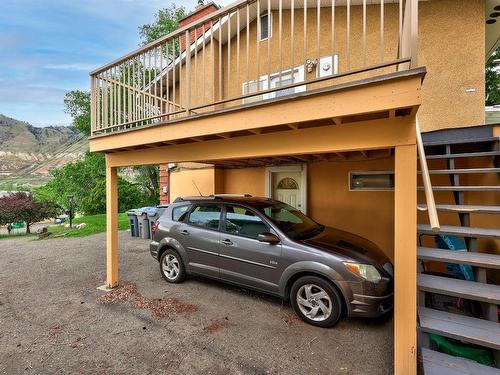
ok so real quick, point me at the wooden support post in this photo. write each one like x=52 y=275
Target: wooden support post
x=405 y=264
x=112 y=260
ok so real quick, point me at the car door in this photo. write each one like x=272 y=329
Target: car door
x=243 y=258
x=200 y=236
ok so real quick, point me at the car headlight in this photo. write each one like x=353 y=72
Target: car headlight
x=366 y=271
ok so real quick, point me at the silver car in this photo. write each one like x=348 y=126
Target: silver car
x=269 y=246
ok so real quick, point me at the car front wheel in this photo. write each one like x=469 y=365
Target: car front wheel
x=316 y=301
x=171 y=266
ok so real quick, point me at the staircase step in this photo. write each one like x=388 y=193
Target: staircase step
x=463 y=188
x=482 y=292
x=460 y=231
x=463 y=171
x=461 y=141
x=491 y=261
x=476 y=331
x=464 y=155
x=466 y=208
x=436 y=363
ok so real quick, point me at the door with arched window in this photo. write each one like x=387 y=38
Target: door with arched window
x=286 y=187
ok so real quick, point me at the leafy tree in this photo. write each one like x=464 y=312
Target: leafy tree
x=166 y=21
x=148 y=178
x=77 y=105
x=493 y=79
x=129 y=196
x=20 y=206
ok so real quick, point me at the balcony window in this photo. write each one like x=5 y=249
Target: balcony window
x=372 y=180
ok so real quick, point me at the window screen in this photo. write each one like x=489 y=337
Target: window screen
x=244 y=222
x=371 y=181
x=205 y=216
x=265 y=31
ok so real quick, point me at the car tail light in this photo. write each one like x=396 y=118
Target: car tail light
x=155 y=226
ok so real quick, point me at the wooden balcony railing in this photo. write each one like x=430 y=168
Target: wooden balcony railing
x=249 y=51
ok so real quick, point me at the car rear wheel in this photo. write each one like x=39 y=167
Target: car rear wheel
x=171 y=266
x=316 y=301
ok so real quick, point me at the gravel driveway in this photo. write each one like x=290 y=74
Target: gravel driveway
x=54 y=320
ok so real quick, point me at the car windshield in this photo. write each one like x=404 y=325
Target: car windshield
x=291 y=221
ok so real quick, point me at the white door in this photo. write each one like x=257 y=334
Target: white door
x=287 y=187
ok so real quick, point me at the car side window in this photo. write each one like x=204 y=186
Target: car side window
x=207 y=216
x=179 y=213
x=244 y=222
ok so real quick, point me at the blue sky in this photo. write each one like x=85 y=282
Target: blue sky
x=48 y=48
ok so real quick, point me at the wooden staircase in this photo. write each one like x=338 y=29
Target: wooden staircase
x=459 y=156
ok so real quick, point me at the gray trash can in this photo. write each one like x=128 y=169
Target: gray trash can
x=143 y=220
x=153 y=215
x=132 y=220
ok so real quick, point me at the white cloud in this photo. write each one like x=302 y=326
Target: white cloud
x=72 y=66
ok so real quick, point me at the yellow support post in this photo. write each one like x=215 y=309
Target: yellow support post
x=405 y=260
x=112 y=260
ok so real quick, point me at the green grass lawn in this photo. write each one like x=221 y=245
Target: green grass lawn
x=95 y=224
x=19 y=234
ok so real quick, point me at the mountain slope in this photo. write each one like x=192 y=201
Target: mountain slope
x=28 y=153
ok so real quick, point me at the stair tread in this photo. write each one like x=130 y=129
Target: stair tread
x=470 y=208
x=473 y=330
x=464 y=188
x=463 y=257
x=464 y=155
x=482 y=292
x=463 y=171
x=436 y=363
x=460 y=231
x=461 y=141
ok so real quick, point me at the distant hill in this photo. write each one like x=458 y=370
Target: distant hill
x=29 y=153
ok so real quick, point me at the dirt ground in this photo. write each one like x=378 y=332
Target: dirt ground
x=53 y=320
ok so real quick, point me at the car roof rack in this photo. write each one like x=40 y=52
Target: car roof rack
x=212 y=196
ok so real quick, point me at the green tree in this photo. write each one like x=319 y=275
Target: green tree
x=77 y=105
x=166 y=21
x=493 y=79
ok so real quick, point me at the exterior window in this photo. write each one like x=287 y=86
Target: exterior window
x=373 y=180
x=265 y=31
x=179 y=213
x=205 y=216
x=244 y=222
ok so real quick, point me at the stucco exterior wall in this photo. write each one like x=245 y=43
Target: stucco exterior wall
x=451 y=46
x=184 y=182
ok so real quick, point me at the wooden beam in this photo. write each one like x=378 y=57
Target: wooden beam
x=255 y=131
x=112 y=259
x=224 y=136
x=405 y=261
x=364 y=153
x=392 y=113
x=366 y=135
x=293 y=126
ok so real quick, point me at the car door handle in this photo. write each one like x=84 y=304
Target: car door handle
x=227 y=242
x=184 y=232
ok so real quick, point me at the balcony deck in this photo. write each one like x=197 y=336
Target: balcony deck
x=389 y=96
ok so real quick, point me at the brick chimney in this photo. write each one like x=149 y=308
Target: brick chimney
x=200 y=11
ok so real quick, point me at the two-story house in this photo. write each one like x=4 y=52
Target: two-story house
x=321 y=104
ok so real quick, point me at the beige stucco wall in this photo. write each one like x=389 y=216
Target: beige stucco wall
x=451 y=46
x=183 y=181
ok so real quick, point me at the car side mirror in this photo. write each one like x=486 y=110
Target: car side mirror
x=270 y=238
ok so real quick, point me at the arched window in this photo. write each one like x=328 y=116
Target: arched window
x=288 y=183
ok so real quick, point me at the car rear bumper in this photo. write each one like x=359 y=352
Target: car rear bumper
x=370 y=306
x=154 y=247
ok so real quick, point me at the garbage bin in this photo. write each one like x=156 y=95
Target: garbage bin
x=132 y=220
x=143 y=221
x=153 y=215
